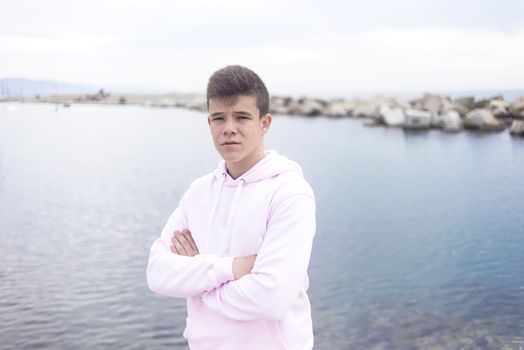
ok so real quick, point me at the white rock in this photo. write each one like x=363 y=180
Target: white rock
x=516 y=108
x=451 y=121
x=364 y=109
x=279 y=105
x=482 y=119
x=393 y=116
x=310 y=107
x=499 y=108
x=198 y=103
x=434 y=103
x=399 y=102
x=464 y=105
x=417 y=119
x=517 y=127
x=338 y=109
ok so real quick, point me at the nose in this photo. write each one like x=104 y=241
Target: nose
x=229 y=127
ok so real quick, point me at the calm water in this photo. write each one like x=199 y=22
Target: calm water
x=420 y=240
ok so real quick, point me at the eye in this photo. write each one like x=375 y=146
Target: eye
x=217 y=118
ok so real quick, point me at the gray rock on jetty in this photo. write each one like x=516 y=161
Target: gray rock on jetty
x=338 y=108
x=393 y=116
x=482 y=119
x=435 y=104
x=310 y=107
x=516 y=109
x=365 y=109
x=417 y=119
x=499 y=108
x=450 y=121
x=517 y=127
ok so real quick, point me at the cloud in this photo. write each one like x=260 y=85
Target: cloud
x=53 y=45
x=299 y=47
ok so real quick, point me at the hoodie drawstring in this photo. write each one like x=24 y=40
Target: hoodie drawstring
x=232 y=213
x=214 y=208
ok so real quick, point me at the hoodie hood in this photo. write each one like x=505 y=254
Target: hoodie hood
x=272 y=164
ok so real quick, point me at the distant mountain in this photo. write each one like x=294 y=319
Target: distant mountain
x=26 y=87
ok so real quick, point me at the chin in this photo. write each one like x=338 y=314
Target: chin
x=230 y=157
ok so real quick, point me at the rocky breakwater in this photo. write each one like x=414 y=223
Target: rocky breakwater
x=431 y=111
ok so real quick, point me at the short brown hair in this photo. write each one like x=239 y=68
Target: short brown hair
x=232 y=81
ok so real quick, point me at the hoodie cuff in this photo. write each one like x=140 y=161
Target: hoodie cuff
x=224 y=269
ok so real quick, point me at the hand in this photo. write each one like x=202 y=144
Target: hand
x=243 y=265
x=183 y=244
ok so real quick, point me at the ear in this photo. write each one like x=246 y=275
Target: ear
x=208 y=120
x=266 y=123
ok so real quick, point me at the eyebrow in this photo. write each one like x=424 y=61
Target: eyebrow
x=242 y=113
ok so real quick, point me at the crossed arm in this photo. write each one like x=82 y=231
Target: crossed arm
x=182 y=243
x=240 y=288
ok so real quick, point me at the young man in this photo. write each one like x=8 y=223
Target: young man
x=238 y=245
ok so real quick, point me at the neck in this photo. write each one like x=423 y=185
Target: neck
x=237 y=169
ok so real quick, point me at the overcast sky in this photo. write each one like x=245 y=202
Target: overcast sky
x=321 y=48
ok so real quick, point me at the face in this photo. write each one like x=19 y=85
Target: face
x=238 y=131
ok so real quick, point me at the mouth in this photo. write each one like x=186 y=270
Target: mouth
x=229 y=143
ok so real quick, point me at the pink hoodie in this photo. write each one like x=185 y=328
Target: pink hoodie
x=268 y=211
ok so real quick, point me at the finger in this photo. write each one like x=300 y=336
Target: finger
x=180 y=248
x=176 y=248
x=189 y=238
x=175 y=244
x=183 y=242
x=173 y=237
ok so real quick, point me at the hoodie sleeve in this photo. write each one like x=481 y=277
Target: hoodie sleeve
x=173 y=275
x=280 y=270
